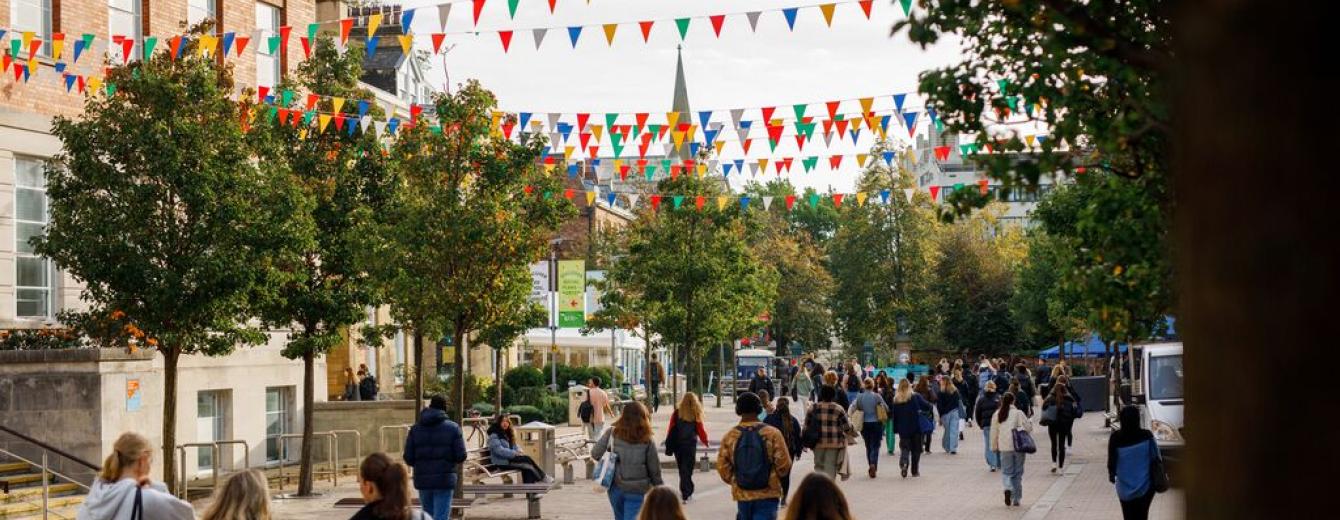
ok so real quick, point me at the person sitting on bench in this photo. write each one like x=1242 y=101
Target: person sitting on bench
x=503 y=452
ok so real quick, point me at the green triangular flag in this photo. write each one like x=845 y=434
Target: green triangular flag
x=274 y=44
x=800 y=110
x=939 y=126
x=679 y=199
x=958 y=186
x=814 y=199
x=272 y=113
x=683 y=24
x=609 y=121
x=14 y=44
x=287 y=96
x=511 y=7
x=307 y=117
x=435 y=129
x=651 y=171
x=88 y=40
x=907 y=6
x=1013 y=102
x=1004 y=85
x=772 y=144
x=111 y=88
x=311 y=31
x=548 y=195
x=654 y=129
x=149 y=43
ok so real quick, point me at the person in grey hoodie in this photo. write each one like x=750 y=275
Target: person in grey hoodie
x=123 y=486
x=638 y=467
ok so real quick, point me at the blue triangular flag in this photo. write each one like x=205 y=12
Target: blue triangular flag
x=78 y=48
x=710 y=135
x=739 y=165
x=884 y=123
x=2 y=34
x=185 y=40
x=564 y=129
x=744 y=202
x=228 y=42
x=884 y=196
x=406 y=18
x=572 y=170
x=888 y=158
x=898 y=101
x=610 y=197
x=693 y=148
x=909 y=119
x=855 y=136
x=930 y=111
x=525 y=118
x=745 y=124
x=1042 y=139
x=362 y=108
x=392 y=124
x=703 y=117
x=372 y=46
x=790 y=15
x=574 y=33
x=69 y=82
x=725 y=169
x=349 y=127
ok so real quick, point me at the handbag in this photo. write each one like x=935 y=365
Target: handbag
x=605 y=468
x=857 y=418
x=1158 y=475
x=1049 y=415
x=1023 y=442
x=882 y=413
x=927 y=424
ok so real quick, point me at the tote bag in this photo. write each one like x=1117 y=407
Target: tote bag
x=1023 y=442
x=605 y=468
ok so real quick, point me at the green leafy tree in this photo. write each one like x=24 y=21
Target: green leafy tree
x=456 y=242
x=1043 y=306
x=974 y=284
x=159 y=209
x=345 y=182
x=503 y=332
x=812 y=215
x=880 y=259
x=789 y=243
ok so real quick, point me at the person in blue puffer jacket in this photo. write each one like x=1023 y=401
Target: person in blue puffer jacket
x=504 y=454
x=1130 y=451
x=434 y=448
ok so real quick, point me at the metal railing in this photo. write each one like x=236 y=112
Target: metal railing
x=216 y=458
x=331 y=446
x=44 y=465
x=381 y=435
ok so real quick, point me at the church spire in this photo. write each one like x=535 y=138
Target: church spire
x=681 y=101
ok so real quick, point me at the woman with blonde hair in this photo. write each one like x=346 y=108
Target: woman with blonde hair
x=661 y=504
x=350 y=385
x=123 y=488
x=908 y=410
x=950 y=405
x=840 y=399
x=243 y=496
x=681 y=441
x=638 y=467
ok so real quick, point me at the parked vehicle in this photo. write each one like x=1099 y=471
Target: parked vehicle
x=1151 y=378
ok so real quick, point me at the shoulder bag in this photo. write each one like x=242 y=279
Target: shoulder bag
x=1158 y=475
x=1023 y=441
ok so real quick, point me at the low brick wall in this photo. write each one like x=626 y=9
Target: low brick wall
x=367 y=418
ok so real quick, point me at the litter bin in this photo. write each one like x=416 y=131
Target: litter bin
x=576 y=395
x=537 y=441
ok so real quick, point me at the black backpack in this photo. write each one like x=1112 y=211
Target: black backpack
x=753 y=468
x=586 y=410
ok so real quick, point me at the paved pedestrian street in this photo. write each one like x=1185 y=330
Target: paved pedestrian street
x=950 y=486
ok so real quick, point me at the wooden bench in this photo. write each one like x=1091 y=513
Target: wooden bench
x=533 y=493
x=478 y=467
x=571 y=449
x=458 y=505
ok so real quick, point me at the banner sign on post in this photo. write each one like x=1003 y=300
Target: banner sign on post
x=539 y=284
x=571 y=293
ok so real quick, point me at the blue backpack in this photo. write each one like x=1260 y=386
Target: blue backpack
x=753 y=468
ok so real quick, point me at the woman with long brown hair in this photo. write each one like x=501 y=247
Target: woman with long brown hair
x=1058 y=415
x=1003 y=424
x=661 y=504
x=926 y=390
x=384 y=484
x=638 y=467
x=790 y=428
x=818 y=498
x=681 y=441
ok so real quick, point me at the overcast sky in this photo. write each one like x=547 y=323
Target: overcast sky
x=742 y=69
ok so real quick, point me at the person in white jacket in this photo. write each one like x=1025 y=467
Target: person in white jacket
x=1004 y=422
x=124 y=480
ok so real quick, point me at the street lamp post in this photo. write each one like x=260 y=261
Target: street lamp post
x=553 y=311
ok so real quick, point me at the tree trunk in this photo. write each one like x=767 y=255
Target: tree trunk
x=646 y=363
x=1254 y=198
x=305 y=458
x=497 y=380
x=419 y=373
x=458 y=372
x=170 y=358
x=721 y=367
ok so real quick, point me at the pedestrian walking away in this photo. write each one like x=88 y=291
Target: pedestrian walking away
x=504 y=454
x=661 y=504
x=802 y=385
x=872 y=412
x=435 y=447
x=909 y=417
x=819 y=498
x=596 y=408
x=654 y=379
x=851 y=381
x=752 y=460
x=123 y=485
x=384 y=485
x=885 y=385
x=986 y=406
x=927 y=390
x=950 y=406
x=681 y=441
x=826 y=432
x=1004 y=423
x=787 y=423
x=638 y=468
x=1132 y=460
x=1058 y=415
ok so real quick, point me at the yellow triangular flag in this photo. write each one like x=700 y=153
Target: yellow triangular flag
x=827 y=9
x=208 y=43
x=302 y=134
x=721 y=203
x=911 y=157
x=94 y=83
x=567 y=152
x=690 y=133
x=763 y=165
x=338 y=104
x=856 y=123
x=27 y=39
x=374 y=20
x=678 y=137
x=618 y=163
x=718 y=145
x=860 y=198
x=1029 y=139
x=670 y=119
x=702 y=169
x=406 y=43
x=56 y=46
x=596 y=130
x=590 y=197
x=775 y=122
x=549 y=169
x=860 y=159
x=866 y=103
x=609 y=32
x=323 y=120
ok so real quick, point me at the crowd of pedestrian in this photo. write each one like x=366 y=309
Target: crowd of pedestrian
x=818 y=410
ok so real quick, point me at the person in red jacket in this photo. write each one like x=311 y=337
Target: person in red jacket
x=686 y=428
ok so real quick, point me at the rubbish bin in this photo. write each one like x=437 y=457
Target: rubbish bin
x=537 y=441
x=576 y=395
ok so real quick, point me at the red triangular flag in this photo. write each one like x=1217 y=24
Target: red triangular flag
x=583 y=138
x=18 y=71
x=261 y=92
x=935 y=191
x=414 y=111
x=674 y=171
x=581 y=121
x=551 y=6
x=655 y=202
x=835 y=161
x=775 y=133
x=479 y=6
x=837 y=200
x=528 y=189
x=339 y=122
x=641 y=120
x=716 y=23
x=508 y=127
x=698 y=202
x=745 y=145
x=311 y=101
x=174 y=44
x=865 y=7
x=283 y=115
x=646 y=29
x=306 y=47
x=800 y=142
x=345 y=25
x=505 y=36
x=623 y=172
x=283 y=39
x=767 y=114
x=790 y=201
x=127 y=45
x=832 y=111
x=437 y=42
x=568 y=193
x=983 y=185
x=241 y=42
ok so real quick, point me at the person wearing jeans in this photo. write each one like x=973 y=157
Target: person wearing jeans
x=987 y=404
x=768 y=451
x=872 y=430
x=950 y=405
x=433 y=447
x=1003 y=425
x=638 y=467
x=906 y=412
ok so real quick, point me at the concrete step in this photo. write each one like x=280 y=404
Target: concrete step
x=27 y=508
x=60 y=513
x=14 y=467
x=18 y=480
x=31 y=493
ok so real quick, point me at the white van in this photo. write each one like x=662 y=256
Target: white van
x=1157 y=389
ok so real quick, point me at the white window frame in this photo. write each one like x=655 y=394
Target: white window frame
x=135 y=10
x=264 y=59
x=22 y=189
x=17 y=7
x=218 y=426
x=285 y=414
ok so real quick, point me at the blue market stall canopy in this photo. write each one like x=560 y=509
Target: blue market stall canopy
x=1091 y=347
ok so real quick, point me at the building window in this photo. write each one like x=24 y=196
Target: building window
x=278 y=420
x=200 y=10
x=32 y=16
x=35 y=277
x=123 y=21
x=211 y=418
x=399 y=356
x=268 y=20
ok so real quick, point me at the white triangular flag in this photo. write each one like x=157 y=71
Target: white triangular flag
x=539 y=36
x=553 y=121
x=742 y=133
x=365 y=123
x=712 y=165
x=735 y=115
x=753 y=169
x=753 y=20
x=379 y=127
x=767 y=201
x=828 y=138
x=632 y=200
x=909 y=192
x=443 y=11
x=669 y=148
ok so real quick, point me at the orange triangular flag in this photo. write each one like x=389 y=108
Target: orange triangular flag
x=609 y=32
x=827 y=10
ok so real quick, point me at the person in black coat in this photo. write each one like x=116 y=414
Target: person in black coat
x=761 y=382
x=987 y=403
x=434 y=447
x=786 y=423
x=1059 y=429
